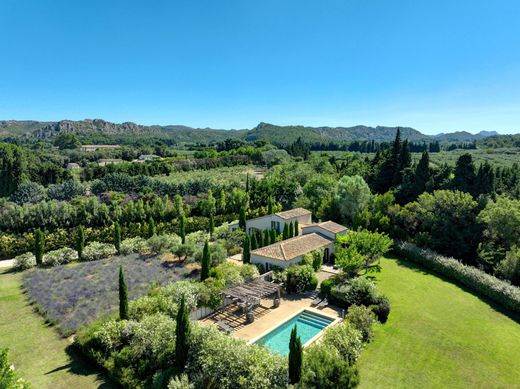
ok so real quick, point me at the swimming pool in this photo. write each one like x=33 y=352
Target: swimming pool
x=308 y=324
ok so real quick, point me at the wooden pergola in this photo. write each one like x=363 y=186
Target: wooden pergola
x=249 y=294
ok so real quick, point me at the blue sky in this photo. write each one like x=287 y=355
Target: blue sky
x=436 y=66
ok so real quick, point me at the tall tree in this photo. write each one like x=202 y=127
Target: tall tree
x=246 y=250
x=273 y=235
x=266 y=237
x=247 y=183
x=254 y=241
x=117 y=237
x=270 y=205
x=13 y=168
x=80 y=241
x=39 y=246
x=291 y=229
x=123 y=296
x=295 y=357
x=485 y=179
x=182 y=335
x=296 y=228
x=206 y=262
x=211 y=227
x=151 y=227
x=242 y=218
x=285 y=234
x=465 y=176
x=422 y=175
x=182 y=228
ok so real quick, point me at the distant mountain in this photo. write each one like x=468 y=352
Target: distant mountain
x=99 y=129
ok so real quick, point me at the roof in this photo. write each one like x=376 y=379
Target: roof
x=292 y=213
x=328 y=226
x=288 y=249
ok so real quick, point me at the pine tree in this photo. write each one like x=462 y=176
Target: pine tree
x=242 y=218
x=123 y=296
x=254 y=241
x=206 y=262
x=273 y=235
x=182 y=228
x=182 y=335
x=246 y=250
x=211 y=227
x=422 y=174
x=117 y=237
x=296 y=228
x=151 y=227
x=80 y=241
x=295 y=357
x=291 y=229
x=285 y=234
x=39 y=246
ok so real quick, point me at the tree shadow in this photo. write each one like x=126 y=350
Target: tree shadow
x=424 y=271
x=81 y=366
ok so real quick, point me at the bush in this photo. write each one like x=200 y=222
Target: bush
x=382 y=308
x=159 y=244
x=484 y=284
x=299 y=278
x=24 y=261
x=357 y=291
x=325 y=287
x=28 y=192
x=134 y=245
x=218 y=254
x=313 y=284
x=66 y=191
x=96 y=250
x=8 y=377
x=231 y=274
x=345 y=338
x=362 y=318
x=325 y=369
x=181 y=382
x=60 y=256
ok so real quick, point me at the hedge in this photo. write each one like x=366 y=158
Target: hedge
x=501 y=292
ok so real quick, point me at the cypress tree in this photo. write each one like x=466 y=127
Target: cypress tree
x=270 y=205
x=39 y=246
x=295 y=357
x=254 y=242
x=211 y=227
x=182 y=335
x=117 y=236
x=246 y=250
x=273 y=235
x=291 y=229
x=206 y=262
x=123 y=296
x=465 y=176
x=242 y=218
x=422 y=173
x=182 y=228
x=285 y=234
x=266 y=237
x=80 y=241
x=247 y=183
x=296 y=228
x=151 y=227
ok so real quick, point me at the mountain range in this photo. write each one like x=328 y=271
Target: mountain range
x=277 y=134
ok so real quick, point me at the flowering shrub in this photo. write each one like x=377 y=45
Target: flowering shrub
x=362 y=318
x=345 y=338
x=60 y=256
x=135 y=245
x=24 y=261
x=298 y=278
x=96 y=250
x=482 y=283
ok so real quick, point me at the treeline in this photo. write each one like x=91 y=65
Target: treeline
x=373 y=146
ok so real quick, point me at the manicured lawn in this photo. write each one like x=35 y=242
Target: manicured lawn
x=439 y=336
x=38 y=353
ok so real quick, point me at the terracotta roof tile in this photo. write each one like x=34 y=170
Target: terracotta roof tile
x=291 y=213
x=328 y=226
x=286 y=250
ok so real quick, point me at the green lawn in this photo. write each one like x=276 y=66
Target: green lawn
x=439 y=335
x=38 y=353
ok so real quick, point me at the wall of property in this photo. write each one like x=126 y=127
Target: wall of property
x=274 y=262
x=264 y=222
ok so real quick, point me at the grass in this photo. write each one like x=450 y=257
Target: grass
x=439 y=335
x=37 y=352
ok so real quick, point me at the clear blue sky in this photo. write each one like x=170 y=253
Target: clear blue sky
x=433 y=65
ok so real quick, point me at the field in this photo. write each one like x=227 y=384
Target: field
x=36 y=350
x=76 y=294
x=439 y=335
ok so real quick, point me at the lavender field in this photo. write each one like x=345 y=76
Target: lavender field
x=73 y=295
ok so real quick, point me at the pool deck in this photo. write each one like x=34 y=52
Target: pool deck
x=289 y=306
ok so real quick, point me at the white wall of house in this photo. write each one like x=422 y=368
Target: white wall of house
x=269 y=221
x=321 y=231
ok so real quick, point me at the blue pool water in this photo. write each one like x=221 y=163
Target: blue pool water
x=308 y=324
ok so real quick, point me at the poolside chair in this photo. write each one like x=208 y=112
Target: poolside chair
x=323 y=304
x=316 y=301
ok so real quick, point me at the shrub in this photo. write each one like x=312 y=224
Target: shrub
x=345 y=338
x=8 y=376
x=28 y=192
x=134 y=245
x=509 y=268
x=299 y=278
x=60 y=256
x=362 y=318
x=325 y=369
x=484 y=284
x=24 y=261
x=96 y=250
x=66 y=191
x=231 y=274
x=180 y=382
x=357 y=291
x=313 y=284
x=382 y=308
x=218 y=254
x=159 y=244
x=325 y=287
x=314 y=258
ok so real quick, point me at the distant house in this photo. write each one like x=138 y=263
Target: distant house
x=278 y=220
x=98 y=147
x=104 y=162
x=72 y=165
x=148 y=157
x=287 y=252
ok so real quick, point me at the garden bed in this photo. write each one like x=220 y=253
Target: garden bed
x=74 y=295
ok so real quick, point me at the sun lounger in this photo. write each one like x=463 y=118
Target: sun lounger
x=323 y=304
x=316 y=301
